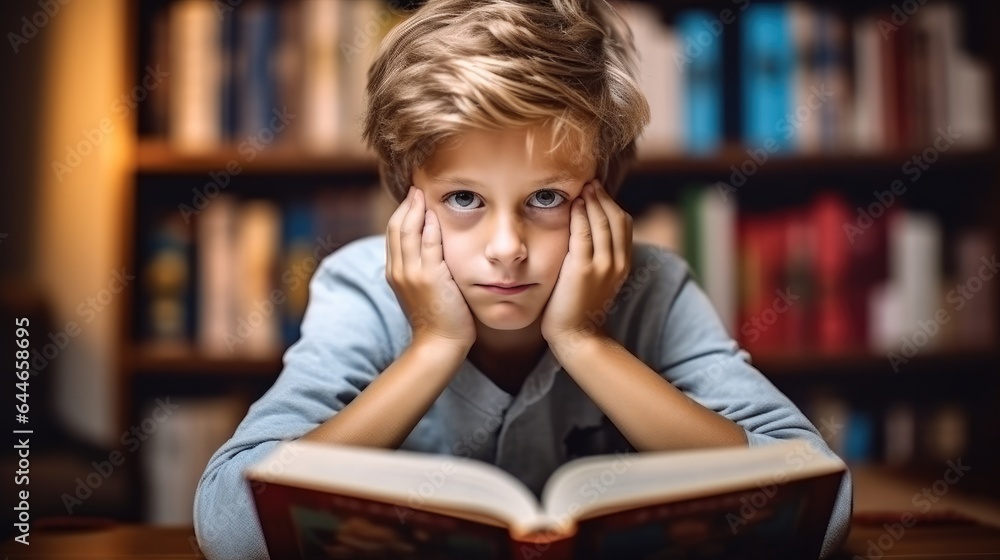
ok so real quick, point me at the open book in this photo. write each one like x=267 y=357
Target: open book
x=318 y=500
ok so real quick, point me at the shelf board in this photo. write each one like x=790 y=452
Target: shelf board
x=721 y=163
x=157 y=156
x=960 y=362
x=188 y=361
x=185 y=360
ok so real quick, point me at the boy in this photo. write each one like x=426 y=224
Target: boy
x=491 y=118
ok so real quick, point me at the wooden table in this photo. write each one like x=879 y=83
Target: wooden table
x=875 y=490
x=176 y=543
x=146 y=542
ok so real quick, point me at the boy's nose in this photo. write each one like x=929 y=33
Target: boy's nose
x=506 y=244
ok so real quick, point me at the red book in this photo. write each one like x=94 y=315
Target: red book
x=833 y=322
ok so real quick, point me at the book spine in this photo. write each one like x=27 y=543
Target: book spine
x=702 y=84
x=767 y=74
x=196 y=63
x=543 y=547
x=258 y=324
x=257 y=78
x=321 y=108
x=805 y=29
x=869 y=122
x=216 y=230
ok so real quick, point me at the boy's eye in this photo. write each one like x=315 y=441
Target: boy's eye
x=464 y=199
x=547 y=199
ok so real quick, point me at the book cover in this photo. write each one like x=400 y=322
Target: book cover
x=317 y=500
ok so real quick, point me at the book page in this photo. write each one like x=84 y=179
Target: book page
x=408 y=479
x=598 y=485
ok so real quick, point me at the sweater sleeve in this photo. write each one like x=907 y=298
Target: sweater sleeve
x=701 y=359
x=344 y=344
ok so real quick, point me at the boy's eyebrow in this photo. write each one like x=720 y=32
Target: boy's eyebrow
x=561 y=177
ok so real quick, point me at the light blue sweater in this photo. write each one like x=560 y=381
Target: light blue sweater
x=354 y=329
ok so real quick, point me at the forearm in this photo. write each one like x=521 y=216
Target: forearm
x=385 y=413
x=652 y=414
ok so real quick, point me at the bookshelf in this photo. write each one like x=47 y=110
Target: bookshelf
x=961 y=188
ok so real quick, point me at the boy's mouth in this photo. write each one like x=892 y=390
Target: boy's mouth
x=505 y=290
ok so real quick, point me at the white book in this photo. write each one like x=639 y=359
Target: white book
x=971 y=110
x=968 y=82
x=196 y=68
x=179 y=450
x=659 y=76
x=258 y=325
x=885 y=318
x=869 y=108
x=915 y=266
x=321 y=87
x=216 y=230
x=165 y=455
x=718 y=258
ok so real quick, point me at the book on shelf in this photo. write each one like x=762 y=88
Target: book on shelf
x=823 y=278
x=899 y=425
x=809 y=77
x=316 y=500
x=241 y=288
x=179 y=450
x=710 y=246
x=661 y=76
x=767 y=75
x=166 y=295
x=900 y=432
x=702 y=95
x=235 y=66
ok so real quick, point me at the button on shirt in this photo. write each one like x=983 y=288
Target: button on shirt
x=354 y=328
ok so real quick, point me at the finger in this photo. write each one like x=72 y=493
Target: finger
x=581 y=245
x=394 y=258
x=431 y=251
x=621 y=227
x=601 y=229
x=411 y=231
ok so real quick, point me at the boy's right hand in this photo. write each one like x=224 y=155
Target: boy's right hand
x=417 y=273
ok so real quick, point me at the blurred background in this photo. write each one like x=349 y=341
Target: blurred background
x=174 y=170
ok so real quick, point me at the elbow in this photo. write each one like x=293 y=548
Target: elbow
x=225 y=520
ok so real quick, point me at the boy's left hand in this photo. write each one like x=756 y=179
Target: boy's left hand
x=596 y=266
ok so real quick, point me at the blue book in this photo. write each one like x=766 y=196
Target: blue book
x=300 y=262
x=858 y=442
x=766 y=62
x=702 y=88
x=256 y=72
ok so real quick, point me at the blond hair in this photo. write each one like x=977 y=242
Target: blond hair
x=566 y=65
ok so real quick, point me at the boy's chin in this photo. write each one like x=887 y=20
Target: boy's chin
x=506 y=321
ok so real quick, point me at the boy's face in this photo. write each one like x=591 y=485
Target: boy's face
x=504 y=217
